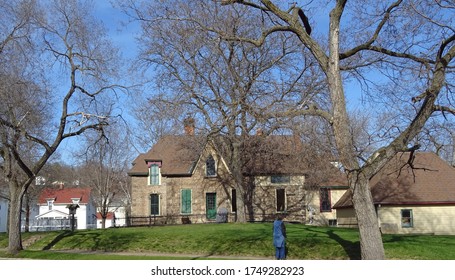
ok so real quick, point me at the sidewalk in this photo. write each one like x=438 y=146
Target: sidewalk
x=156 y=254
x=174 y=255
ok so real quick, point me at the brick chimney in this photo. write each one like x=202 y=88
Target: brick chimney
x=259 y=132
x=188 y=124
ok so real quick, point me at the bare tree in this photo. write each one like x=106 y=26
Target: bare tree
x=50 y=91
x=225 y=84
x=104 y=163
x=399 y=40
x=154 y=118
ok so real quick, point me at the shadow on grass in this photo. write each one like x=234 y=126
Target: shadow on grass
x=89 y=240
x=351 y=248
x=57 y=239
x=226 y=244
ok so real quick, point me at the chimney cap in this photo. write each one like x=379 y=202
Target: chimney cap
x=189 y=124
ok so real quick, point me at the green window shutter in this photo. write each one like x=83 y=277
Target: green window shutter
x=186 y=201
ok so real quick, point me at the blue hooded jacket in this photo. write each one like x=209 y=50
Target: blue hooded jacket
x=279 y=233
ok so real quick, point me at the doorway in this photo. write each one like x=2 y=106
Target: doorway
x=210 y=206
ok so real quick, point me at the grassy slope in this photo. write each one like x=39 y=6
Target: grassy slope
x=304 y=242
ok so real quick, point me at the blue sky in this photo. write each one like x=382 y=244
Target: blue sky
x=123 y=37
x=122 y=34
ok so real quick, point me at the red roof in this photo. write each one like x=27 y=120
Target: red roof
x=110 y=216
x=65 y=195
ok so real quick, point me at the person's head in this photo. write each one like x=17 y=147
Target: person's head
x=279 y=216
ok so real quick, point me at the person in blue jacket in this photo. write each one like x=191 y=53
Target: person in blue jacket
x=279 y=237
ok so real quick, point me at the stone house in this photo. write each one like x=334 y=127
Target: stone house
x=413 y=194
x=185 y=178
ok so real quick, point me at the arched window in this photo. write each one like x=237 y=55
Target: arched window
x=210 y=167
x=154 y=175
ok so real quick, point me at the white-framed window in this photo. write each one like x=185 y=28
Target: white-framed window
x=407 y=220
x=210 y=167
x=154 y=174
x=154 y=204
x=50 y=204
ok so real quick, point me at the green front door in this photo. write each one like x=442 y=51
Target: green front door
x=210 y=206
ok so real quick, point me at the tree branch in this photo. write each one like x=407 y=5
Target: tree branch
x=367 y=45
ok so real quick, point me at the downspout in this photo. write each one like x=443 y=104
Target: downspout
x=378 y=209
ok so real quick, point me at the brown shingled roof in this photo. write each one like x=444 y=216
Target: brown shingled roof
x=177 y=153
x=275 y=154
x=430 y=181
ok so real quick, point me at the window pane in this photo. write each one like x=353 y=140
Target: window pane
x=234 y=200
x=186 y=201
x=210 y=166
x=154 y=204
x=280 y=200
x=325 y=201
x=406 y=218
x=154 y=174
x=280 y=179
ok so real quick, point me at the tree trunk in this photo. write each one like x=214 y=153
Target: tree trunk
x=371 y=245
x=241 y=213
x=370 y=237
x=26 y=201
x=14 y=221
x=238 y=178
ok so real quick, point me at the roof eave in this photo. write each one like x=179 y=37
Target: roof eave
x=137 y=173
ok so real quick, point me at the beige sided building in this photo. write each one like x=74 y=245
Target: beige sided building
x=417 y=199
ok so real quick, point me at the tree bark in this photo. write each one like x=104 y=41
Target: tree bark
x=238 y=178
x=370 y=236
x=371 y=245
x=14 y=219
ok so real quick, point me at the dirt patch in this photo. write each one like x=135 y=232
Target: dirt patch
x=31 y=240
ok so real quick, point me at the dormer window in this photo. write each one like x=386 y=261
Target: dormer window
x=210 y=167
x=154 y=174
x=50 y=203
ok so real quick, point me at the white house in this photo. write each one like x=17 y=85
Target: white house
x=3 y=213
x=54 y=212
x=110 y=220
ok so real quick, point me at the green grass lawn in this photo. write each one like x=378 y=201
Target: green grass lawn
x=226 y=240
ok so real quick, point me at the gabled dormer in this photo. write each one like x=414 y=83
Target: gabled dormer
x=154 y=173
